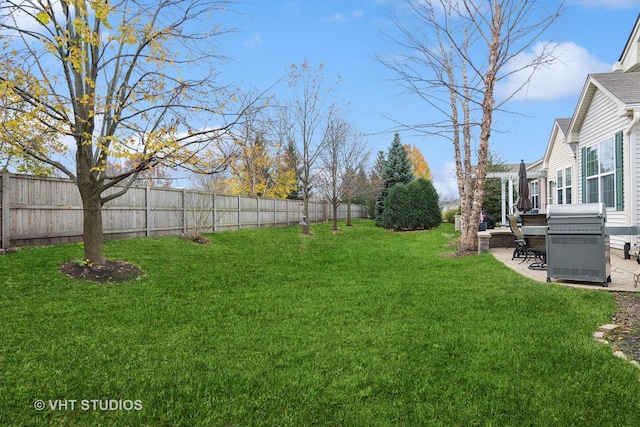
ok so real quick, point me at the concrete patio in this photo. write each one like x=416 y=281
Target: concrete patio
x=625 y=273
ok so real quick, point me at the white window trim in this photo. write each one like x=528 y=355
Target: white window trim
x=601 y=174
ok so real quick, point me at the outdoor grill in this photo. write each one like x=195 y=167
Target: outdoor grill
x=576 y=243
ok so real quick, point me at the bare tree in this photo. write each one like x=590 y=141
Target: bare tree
x=217 y=183
x=353 y=158
x=156 y=176
x=453 y=60
x=309 y=110
x=343 y=154
x=110 y=79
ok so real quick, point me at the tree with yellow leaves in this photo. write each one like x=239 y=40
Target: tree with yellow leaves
x=259 y=167
x=419 y=165
x=21 y=134
x=255 y=172
x=116 y=80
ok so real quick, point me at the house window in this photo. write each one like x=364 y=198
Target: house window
x=602 y=173
x=563 y=186
x=559 y=186
x=535 y=195
x=567 y=186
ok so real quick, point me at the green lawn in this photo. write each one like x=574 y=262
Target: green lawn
x=265 y=327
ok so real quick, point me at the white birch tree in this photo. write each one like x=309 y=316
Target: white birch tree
x=453 y=58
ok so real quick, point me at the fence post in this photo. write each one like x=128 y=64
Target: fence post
x=239 y=214
x=147 y=202
x=6 y=211
x=214 y=226
x=258 y=211
x=184 y=211
x=275 y=218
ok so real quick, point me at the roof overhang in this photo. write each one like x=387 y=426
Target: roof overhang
x=514 y=175
x=588 y=92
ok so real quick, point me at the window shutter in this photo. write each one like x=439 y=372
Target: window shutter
x=583 y=173
x=619 y=173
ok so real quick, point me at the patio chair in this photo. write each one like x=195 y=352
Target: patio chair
x=537 y=248
x=519 y=243
x=525 y=249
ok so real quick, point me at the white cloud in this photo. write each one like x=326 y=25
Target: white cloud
x=564 y=77
x=445 y=182
x=27 y=22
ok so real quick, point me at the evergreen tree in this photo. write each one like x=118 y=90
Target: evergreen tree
x=425 y=204
x=376 y=182
x=397 y=170
x=362 y=185
x=493 y=189
x=397 y=213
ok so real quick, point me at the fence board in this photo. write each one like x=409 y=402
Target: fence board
x=4 y=211
x=42 y=210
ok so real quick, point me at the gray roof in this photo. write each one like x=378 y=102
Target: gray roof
x=564 y=125
x=624 y=86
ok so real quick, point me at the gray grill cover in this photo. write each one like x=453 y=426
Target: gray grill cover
x=577 y=247
x=585 y=218
x=587 y=209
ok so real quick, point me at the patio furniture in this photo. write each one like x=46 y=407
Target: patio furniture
x=534 y=231
x=528 y=247
x=519 y=244
x=540 y=258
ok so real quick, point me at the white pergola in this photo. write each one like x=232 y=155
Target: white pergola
x=511 y=177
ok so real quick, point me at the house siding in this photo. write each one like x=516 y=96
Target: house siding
x=561 y=157
x=601 y=122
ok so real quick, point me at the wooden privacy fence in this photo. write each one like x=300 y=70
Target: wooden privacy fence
x=43 y=211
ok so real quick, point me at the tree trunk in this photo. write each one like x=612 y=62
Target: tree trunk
x=349 y=224
x=469 y=238
x=90 y=193
x=307 y=218
x=92 y=228
x=334 y=206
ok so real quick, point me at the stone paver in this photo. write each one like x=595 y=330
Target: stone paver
x=625 y=273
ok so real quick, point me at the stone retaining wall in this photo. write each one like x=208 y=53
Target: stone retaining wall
x=496 y=238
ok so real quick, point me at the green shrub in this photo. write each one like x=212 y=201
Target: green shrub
x=397 y=208
x=425 y=203
x=449 y=215
x=412 y=207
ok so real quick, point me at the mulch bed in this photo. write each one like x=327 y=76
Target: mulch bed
x=112 y=272
x=198 y=239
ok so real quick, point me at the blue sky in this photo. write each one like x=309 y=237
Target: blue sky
x=346 y=36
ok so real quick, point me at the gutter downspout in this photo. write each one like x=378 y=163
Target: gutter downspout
x=632 y=170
